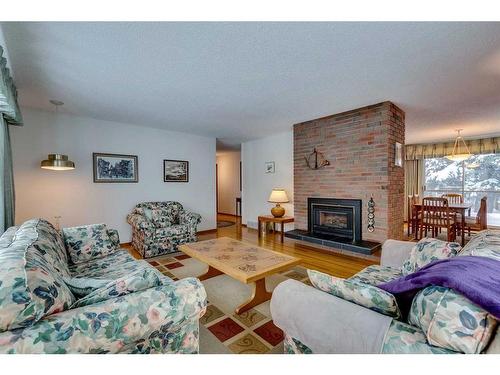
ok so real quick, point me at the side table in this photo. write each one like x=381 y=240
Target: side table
x=271 y=219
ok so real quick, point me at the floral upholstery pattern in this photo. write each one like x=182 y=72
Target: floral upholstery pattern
x=451 y=321
x=158 y=320
x=135 y=282
x=357 y=292
x=486 y=244
x=376 y=275
x=402 y=338
x=88 y=242
x=160 y=227
x=114 y=237
x=31 y=275
x=137 y=311
x=294 y=346
x=428 y=250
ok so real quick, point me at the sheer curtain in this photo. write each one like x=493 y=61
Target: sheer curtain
x=414 y=180
x=9 y=115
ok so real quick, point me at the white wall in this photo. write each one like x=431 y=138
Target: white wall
x=73 y=194
x=228 y=169
x=257 y=184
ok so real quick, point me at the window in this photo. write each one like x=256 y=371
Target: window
x=474 y=178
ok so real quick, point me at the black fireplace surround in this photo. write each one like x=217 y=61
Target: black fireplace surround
x=335 y=223
x=336 y=217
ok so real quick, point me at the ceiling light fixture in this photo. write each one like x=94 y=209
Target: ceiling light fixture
x=460 y=150
x=57 y=162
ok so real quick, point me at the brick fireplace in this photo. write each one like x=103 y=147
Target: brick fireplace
x=360 y=146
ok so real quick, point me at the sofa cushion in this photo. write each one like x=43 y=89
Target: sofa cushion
x=81 y=286
x=402 y=338
x=31 y=276
x=88 y=242
x=376 y=275
x=451 y=321
x=357 y=292
x=134 y=282
x=428 y=250
x=486 y=244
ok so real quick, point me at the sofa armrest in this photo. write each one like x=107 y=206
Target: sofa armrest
x=139 y=222
x=395 y=253
x=156 y=316
x=325 y=323
x=189 y=218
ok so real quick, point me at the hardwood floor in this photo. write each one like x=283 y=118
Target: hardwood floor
x=334 y=264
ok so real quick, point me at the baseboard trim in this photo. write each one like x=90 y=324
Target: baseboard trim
x=208 y=231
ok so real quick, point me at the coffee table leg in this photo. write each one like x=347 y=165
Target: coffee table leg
x=211 y=272
x=259 y=295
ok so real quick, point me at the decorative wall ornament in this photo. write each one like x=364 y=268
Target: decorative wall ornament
x=175 y=171
x=371 y=215
x=115 y=168
x=316 y=160
x=270 y=167
x=398 y=154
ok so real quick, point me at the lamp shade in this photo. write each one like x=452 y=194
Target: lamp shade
x=278 y=196
x=57 y=162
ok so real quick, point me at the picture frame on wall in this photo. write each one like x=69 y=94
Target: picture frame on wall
x=270 y=167
x=175 y=170
x=115 y=168
x=398 y=158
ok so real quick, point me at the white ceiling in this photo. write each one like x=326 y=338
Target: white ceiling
x=240 y=81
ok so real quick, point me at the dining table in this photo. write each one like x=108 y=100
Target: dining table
x=458 y=208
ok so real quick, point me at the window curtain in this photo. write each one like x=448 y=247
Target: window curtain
x=439 y=150
x=9 y=115
x=414 y=180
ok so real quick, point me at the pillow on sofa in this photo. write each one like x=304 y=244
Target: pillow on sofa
x=88 y=242
x=31 y=285
x=451 y=321
x=357 y=292
x=426 y=251
x=140 y=280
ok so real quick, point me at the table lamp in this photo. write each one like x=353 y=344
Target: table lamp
x=278 y=196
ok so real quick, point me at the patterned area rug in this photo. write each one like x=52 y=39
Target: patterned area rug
x=221 y=329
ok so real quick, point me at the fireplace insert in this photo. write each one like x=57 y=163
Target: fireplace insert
x=335 y=217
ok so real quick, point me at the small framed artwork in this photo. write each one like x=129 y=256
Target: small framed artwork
x=398 y=158
x=115 y=168
x=175 y=171
x=270 y=167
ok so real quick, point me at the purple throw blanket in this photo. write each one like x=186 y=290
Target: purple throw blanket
x=475 y=277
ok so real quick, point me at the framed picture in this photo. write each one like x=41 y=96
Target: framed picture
x=175 y=171
x=398 y=159
x=115 y=168
x=270 y=167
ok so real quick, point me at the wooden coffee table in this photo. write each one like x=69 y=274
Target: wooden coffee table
x=245 y=262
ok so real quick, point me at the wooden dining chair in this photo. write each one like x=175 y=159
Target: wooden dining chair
x=480 y=221
x=412 y=215
x=436 y=215
x=453 y=198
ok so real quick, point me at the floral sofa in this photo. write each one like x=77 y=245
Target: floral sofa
x=160 y=227
x=354 y=316
x=78 y=292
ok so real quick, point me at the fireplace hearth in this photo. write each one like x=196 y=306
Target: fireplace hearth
x=335 y=223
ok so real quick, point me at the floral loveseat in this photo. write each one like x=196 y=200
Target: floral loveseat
x=354 y=316
x=90 y=297
x=160 y=227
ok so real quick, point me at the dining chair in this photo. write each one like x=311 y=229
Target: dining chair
x=436 y=215
x=453 y=197
x=412 y=215
x=480 y=222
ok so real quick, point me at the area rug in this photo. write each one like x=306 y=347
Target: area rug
x=224 y=223
x=221 y=329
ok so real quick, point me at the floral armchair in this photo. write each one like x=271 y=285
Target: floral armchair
x=160 y=227
x=79 y=294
